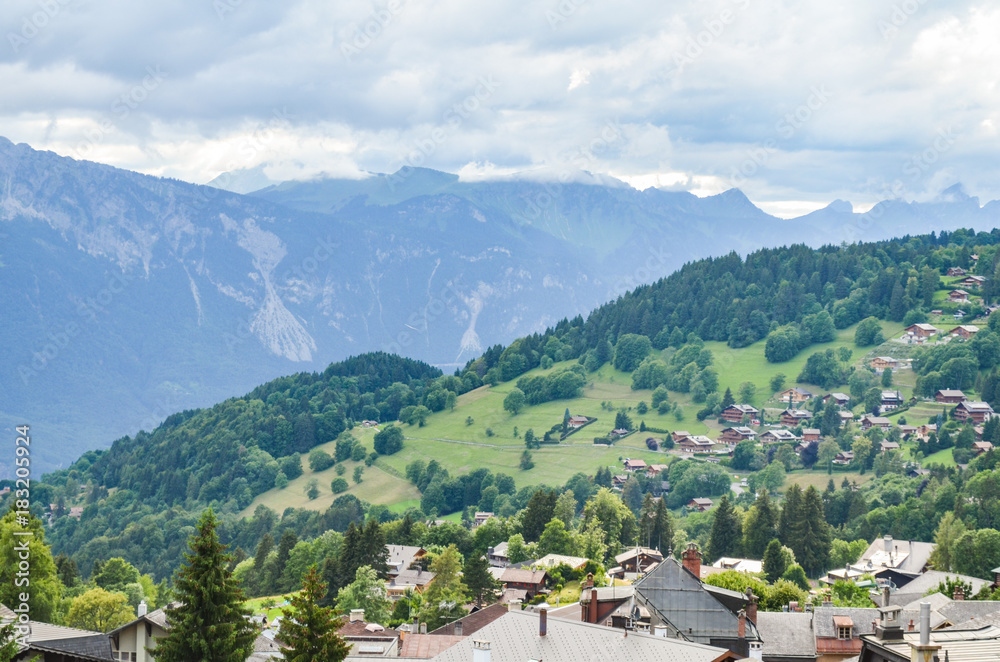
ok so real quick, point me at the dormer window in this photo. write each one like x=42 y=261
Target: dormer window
x=844 y=626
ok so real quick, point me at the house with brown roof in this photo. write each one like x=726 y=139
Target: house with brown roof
x=810 y=434
x=977 y=411
x=369 y=639
x=576 y=422
x=735 y=413
x=411 y=578
x=844 y=458
x=886 y=446
x=958 y=296
x=777 y=436
x=973 y=281
x=980 y=447
x=793 y=417
x=964 y=331
x=956 y=271
x=701 y=504
x=880 y=363
x=921 y=330
x=794 y=396
x=841 y=399
x=734 y=435
x=638 y=559
x=633 y=465
x=525 y=579
x=680 y=435
x=949 y=396
x=869 y=421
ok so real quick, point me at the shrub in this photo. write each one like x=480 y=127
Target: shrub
x=338 y=485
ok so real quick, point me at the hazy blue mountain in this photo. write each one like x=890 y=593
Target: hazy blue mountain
x=128 y=297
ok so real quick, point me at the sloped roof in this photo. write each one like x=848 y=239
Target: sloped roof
x=428 y=646
x=522 y=576
x=787 y=634
x=825 y=619
x=476 y=621
x=927 y=581
x=515 y=638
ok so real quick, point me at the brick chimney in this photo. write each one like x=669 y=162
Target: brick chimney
x=591 y=615
x=959 y=593
x=751 y=606
x=357 y=615
x=458 y=628
x=742 y=632
x=691 y=559
x=543 y=622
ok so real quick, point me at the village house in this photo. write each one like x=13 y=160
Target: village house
x=698 y=443
x=524 y=579
x=958 y=296
x=964 y=331
x=793 y=417
x=972 y=281
x=634 y=465
x=701 y=504
x=887 y=446
x=810 y=434
x=680 y=435
x=411 y=578
x=956 y=271
x=844 y=458
x=977 y=411
x=907 y=430
x=497 y=556
x=402 y=557
x=846 y=416
x=794 y=396
x=891 y=400
x=656 y=469
x=368 y=639
x=576 y=422
x=949 y=396
x=980 y=447
x=633 y=563
x=735 y=413
x=926 y=429
x=923 y=331
x=881 y=363
x=841 y=399
x=776 y=436
x=480 y=518
x=869 y=421
x=735 y=435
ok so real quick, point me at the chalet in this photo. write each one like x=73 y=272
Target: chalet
x=776 y=436
x=846 y=416
x=949 y=396
x=748 y=566
x=696 y=444
x=638 y=560
x=619 y=480
x=841 y=399
x=793 y=417
x=880 y=363
x=577 y=422
x=634 y=465
x=958 y=296
x=685 y=608
x=810 y=434
x=416 y=579
x=972 y=281
x=964 y=331
x=937 y=311
x=887 y=446
x=480 y=519
x=801 y=446
x=402 y=557
x=891 y=399
x=735 y=413
x=531 y=581
x=794 y=396
x=656 y=469
x=907 y=430
x=980 y=447
x=869 y=422
x=926 y=429
x=844 y=457
x=977 y=411
x=620 y=432
x=369 y=424
x=368 y=639
x=498 y=556
x=956 y=271
x=735 y=435
x=921 y=330
x=680 y=435
x=701 y=504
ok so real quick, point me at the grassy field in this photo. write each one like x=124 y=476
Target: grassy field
x=943 y=457
x=819 y=479
x=478 y=432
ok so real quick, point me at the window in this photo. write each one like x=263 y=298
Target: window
x=844 y=632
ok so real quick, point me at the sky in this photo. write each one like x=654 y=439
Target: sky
x=796 y=103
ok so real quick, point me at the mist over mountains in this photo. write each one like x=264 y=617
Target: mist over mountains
x=128 y=297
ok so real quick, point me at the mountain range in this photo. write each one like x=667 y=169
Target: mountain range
x=128 y=297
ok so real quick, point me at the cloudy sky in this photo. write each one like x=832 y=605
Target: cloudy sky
x=795 y=102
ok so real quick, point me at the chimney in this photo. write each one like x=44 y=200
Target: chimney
x=514 y=605
x=925 y=651
x=142 y=609
x=911 y=626
x=959 y=593
x=357 y=615
x=887 y=544
x=480 y=651
x=691 y=558
x=423 y=628
x=458 y=628
x=660 y=631
x=593 y=604
x=742 y=632
x=543 y=622
x=885 y=596
x=751 y=606
x=925 y=623
x=756 y=650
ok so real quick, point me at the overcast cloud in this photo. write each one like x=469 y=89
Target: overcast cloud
x=795 y=102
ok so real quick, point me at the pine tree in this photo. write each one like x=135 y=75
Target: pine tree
x=776 y=561
x=760 y=527
x=663 y=528
x=209 y=623
x=483 y=588
x=812 y=534
x=790 y=515
x=726 y=531
x=288 y=541
x=308 y=630
x=727 y=399
x=260 y=579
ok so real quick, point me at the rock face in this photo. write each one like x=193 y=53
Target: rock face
x=128 y=297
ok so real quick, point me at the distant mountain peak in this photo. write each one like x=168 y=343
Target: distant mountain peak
x=954 y=193
x=840 y=206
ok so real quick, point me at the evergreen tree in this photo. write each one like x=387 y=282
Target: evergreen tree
x=760 y=526
x=540 y=509
x=812 y=534
x=776 y=561
x=483 y=588
x=444 y=598
x=726 y=531
x=308 y=630
x=285 y=546
x=663 y=527
x=790 y=515
x=209 y=622
x=8 y=641
x=264 y=548
x=727 y=399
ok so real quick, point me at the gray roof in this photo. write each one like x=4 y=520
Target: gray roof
x=916 y=554
x=787 y=634
x=927 y=581
x=961 y=612
x=862 y=617
x=514 y=637
x=413 y=578
x=401 y=556
x=957 y=645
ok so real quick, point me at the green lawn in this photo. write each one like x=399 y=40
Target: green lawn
x=819 y=479
x=943 y=457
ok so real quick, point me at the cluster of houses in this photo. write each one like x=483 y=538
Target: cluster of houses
x=917 y=334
